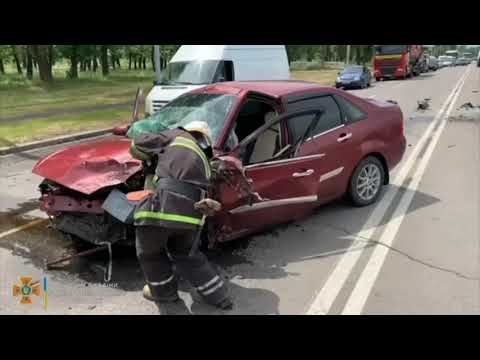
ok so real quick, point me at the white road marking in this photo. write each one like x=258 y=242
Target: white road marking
x=328 y=293
x=21 y=228
x=365 y=283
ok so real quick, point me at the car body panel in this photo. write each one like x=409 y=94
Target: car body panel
x=87 y=168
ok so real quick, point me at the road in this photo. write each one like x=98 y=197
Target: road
x=415 y=252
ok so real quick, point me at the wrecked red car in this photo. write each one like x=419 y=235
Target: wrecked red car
x=300 y=144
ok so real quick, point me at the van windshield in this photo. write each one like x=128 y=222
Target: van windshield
x=193 y=72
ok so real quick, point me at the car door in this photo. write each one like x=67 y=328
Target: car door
x=287 y=185
x=333 y=138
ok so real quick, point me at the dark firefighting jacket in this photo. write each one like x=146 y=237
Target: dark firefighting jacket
x=182 y=177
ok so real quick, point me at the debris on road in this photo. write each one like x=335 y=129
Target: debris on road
x=91 y=307
x=469 y=106
x=424 y=104
x=77 y=255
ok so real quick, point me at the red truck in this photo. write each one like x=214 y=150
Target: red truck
x=397 y=61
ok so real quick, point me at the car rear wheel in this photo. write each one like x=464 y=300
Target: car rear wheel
x=366 y=182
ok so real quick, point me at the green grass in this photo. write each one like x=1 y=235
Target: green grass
x=323 y=77
x=26 y=131
x=22 y=97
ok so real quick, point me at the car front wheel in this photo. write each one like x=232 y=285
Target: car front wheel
x=366 y=182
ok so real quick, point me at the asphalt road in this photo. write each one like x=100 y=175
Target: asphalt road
x=415 y=252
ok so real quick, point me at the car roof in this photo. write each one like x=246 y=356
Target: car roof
x=272 y=88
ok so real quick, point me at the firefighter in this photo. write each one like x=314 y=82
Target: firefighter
x=170 y=219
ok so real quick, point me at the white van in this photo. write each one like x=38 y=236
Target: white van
x=195 y=66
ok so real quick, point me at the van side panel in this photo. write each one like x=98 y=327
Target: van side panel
x=259 y=63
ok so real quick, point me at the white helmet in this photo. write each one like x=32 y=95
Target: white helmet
x=201 y=127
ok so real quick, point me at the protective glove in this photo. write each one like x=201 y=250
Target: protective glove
x=208 y=207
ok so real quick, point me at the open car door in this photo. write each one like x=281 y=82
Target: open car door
x=286 y=184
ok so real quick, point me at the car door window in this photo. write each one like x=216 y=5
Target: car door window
x=268 y=143
x=351 y=112
x=331 y=118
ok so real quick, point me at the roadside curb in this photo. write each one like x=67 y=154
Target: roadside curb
x=53 y=141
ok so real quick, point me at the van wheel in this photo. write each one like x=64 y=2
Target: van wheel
x=366 y=182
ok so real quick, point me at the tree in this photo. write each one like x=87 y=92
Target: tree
x=71 y=52
x=104 y=59
x=28 y=51
x=4 y=51
x=16 y=59
x=41 y=56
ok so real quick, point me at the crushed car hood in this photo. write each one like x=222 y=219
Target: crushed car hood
x=89 y=167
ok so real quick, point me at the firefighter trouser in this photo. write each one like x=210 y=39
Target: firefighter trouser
x=158 y=249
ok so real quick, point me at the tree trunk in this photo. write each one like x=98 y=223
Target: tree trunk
x=17 y=61
x=95 y=63
x=129 y=61
x=144 y=63
x=2 y=68
x=118 y=63
x=50 y=55
x=40 y=53
x=135 y=62
x=104 y=60
x=74 y=64
x=112 y=59
x=89 y=64
x=29 y=63
x=24 y=56
x=152 y=58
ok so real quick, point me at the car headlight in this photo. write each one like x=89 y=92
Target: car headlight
x=339 y=80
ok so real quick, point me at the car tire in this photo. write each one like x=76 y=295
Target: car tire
x=370 y=172
x=377 y=79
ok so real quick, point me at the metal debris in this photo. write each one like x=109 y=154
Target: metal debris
x=424 y=104
x=469 y=106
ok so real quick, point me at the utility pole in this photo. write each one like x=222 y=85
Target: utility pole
x=348 y=55
x=157 y=62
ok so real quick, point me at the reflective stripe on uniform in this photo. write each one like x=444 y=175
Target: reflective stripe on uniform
x=192 y=145
x=213 y=289
x=162 y=282
x=153 y=215
x=208 y=283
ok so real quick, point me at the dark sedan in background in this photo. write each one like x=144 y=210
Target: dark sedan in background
x=354 y=77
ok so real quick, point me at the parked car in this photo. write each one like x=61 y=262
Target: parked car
x=354 y=77
x=432 y=63
x=301 y=144
x=462 y=61
x=444 y=61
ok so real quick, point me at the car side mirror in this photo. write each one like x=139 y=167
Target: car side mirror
x=121 y=130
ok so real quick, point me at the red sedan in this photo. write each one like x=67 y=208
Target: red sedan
x=301 y=144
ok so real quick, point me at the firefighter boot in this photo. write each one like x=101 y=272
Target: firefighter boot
x=147 y=294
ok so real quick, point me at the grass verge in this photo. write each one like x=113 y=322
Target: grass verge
x=22 y=132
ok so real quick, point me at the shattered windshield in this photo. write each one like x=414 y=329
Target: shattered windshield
x=211 y=108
